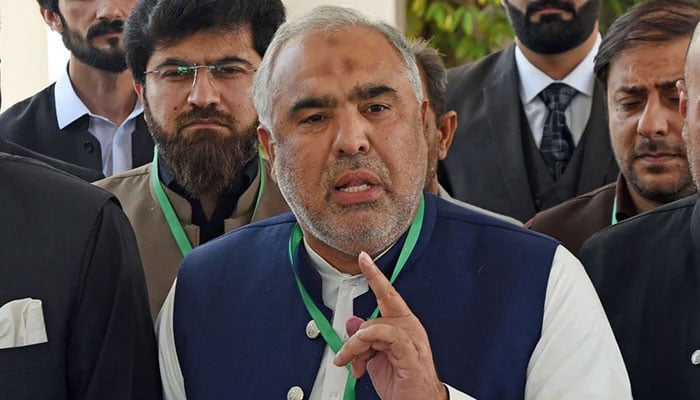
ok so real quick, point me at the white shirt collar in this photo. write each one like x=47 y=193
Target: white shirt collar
x=326 y=270
x=69 y=107
x=581 y=78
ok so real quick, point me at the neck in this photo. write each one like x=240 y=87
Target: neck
x=106 y=94
x=208 y=201
x=343 y=262
x=641 y=204
x=558 y=66
x=432 y=187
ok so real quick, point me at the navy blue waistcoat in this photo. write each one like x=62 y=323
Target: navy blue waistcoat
x=477 y=285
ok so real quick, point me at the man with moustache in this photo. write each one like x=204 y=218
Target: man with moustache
x=646 y=271
x=465 y=305
x=441 y=124
x=639 y=62
x=193 y=64
x=532 y=129
x=91 y=116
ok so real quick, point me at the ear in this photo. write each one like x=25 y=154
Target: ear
x=267 y=145
x=52 y=19
x=447 y=128
x=424 y=113
x=682 y=97
x=138 y=88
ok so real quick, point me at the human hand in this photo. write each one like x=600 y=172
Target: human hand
x=393 y=349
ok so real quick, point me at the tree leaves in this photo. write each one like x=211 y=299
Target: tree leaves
x=466 y=30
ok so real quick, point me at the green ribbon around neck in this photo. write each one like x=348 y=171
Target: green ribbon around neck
x=324 y=326
x=178 y=233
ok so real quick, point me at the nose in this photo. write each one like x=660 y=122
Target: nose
x=351 y=135
x=203 y=93
x=111 y=10
x=654 y=119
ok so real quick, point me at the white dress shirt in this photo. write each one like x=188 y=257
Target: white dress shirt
x=576 y=357
x=533 y=81
x=115 y=141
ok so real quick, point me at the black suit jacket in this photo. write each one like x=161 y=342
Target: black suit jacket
x=86 y=174
x=486 y=163
x=68 y=244
x=646 y=270
x=32 y=123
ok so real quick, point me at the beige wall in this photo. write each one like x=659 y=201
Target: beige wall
x=23 y=50
x=391 y=11
x=32 y=56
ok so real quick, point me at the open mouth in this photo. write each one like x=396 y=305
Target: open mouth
x=357 y=187
x=354 y=187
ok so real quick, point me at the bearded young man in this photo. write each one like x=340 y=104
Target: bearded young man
x=193 y=64
x=91 y=116
x=474 y=307
x=647 y=272
x=639 y=62
x=532 y=122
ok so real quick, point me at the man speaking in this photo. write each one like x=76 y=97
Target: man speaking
x=454 y=303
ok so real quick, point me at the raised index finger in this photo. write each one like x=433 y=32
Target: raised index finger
x=390 y=302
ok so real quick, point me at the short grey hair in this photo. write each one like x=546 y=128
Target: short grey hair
x=325 y=19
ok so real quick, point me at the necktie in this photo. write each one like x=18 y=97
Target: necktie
x=557 y=142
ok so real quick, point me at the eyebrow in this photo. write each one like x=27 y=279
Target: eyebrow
x=224 y=60
x=367 y=92
x=636 y=90
x=313 y=102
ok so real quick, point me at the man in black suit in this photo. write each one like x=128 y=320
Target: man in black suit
x=532 y=120
x=73 y=302
x=74 y=315
x=91 y=116
x=646 y=271
x=70 y=275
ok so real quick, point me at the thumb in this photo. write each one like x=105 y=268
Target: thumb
x=352 y=325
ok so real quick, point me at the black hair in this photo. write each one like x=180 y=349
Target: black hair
x=155 y=23
x=51 y=5
x=654 y=21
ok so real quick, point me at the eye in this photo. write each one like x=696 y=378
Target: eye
x=229 y=70
x=376 y=108
x=629 y=104
x=314 y=119
x=175 y=72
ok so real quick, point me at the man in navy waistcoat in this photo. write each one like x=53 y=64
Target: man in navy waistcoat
x=468 y=306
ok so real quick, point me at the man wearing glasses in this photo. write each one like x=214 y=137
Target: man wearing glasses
x=193 y=64
x=91 y=116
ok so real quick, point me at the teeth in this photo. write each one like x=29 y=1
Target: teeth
x=353 y=189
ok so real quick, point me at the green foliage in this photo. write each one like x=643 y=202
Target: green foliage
x=466 y=30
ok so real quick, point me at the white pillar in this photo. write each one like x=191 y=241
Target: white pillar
x=23 y=50
x=391 y=11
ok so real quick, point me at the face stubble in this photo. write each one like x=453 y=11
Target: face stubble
x=389 y=218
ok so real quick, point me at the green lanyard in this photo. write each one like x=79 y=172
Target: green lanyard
x=171 y=217
x=613 y=219
x=325 y=327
